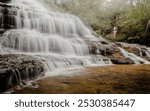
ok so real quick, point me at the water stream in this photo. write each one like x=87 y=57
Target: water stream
x=58 y=39
x=135 y=58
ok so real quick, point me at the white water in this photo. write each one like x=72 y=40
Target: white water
x=140 y=48
x=57 y=39
x=145 y=50
x=135 y=58
x=148 y=52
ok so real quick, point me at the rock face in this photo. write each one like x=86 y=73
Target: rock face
x=7 y=17
x=109 y=50
x=121 y=61
x=17 y=68
x=112 y=51
x=5 y=1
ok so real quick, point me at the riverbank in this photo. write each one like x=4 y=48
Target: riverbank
x=126 y=79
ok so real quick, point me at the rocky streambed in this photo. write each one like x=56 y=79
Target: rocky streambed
x=127 y=79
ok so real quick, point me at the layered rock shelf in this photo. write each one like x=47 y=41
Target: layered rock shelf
x=15 y=69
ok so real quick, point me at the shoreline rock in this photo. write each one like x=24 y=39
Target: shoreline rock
x=16 y=68
x=122 y=61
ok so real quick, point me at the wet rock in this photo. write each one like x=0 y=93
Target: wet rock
x=110 y=50
x=104 y=42
x=101 y=47
x=5 y=79
x=5 y=1
x=136 y=49
x=15 y=68
x=8 y=15
x=121 y=61
x=147 y=58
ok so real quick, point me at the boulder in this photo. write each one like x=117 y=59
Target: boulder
x=121 y=60
x=8 y=13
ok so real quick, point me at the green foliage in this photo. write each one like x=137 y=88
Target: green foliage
x=132 y=17
x=134 y=31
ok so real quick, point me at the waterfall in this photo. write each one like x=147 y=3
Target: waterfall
x=135 y=58
x=58 y=39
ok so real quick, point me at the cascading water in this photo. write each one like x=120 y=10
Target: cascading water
x=135 y=58
x=56 y=38
x=148 y=52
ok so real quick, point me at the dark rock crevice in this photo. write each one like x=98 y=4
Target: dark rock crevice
x=7 y=17
x=5 y=1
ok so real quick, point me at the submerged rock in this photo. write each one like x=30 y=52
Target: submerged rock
x=15 y=68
